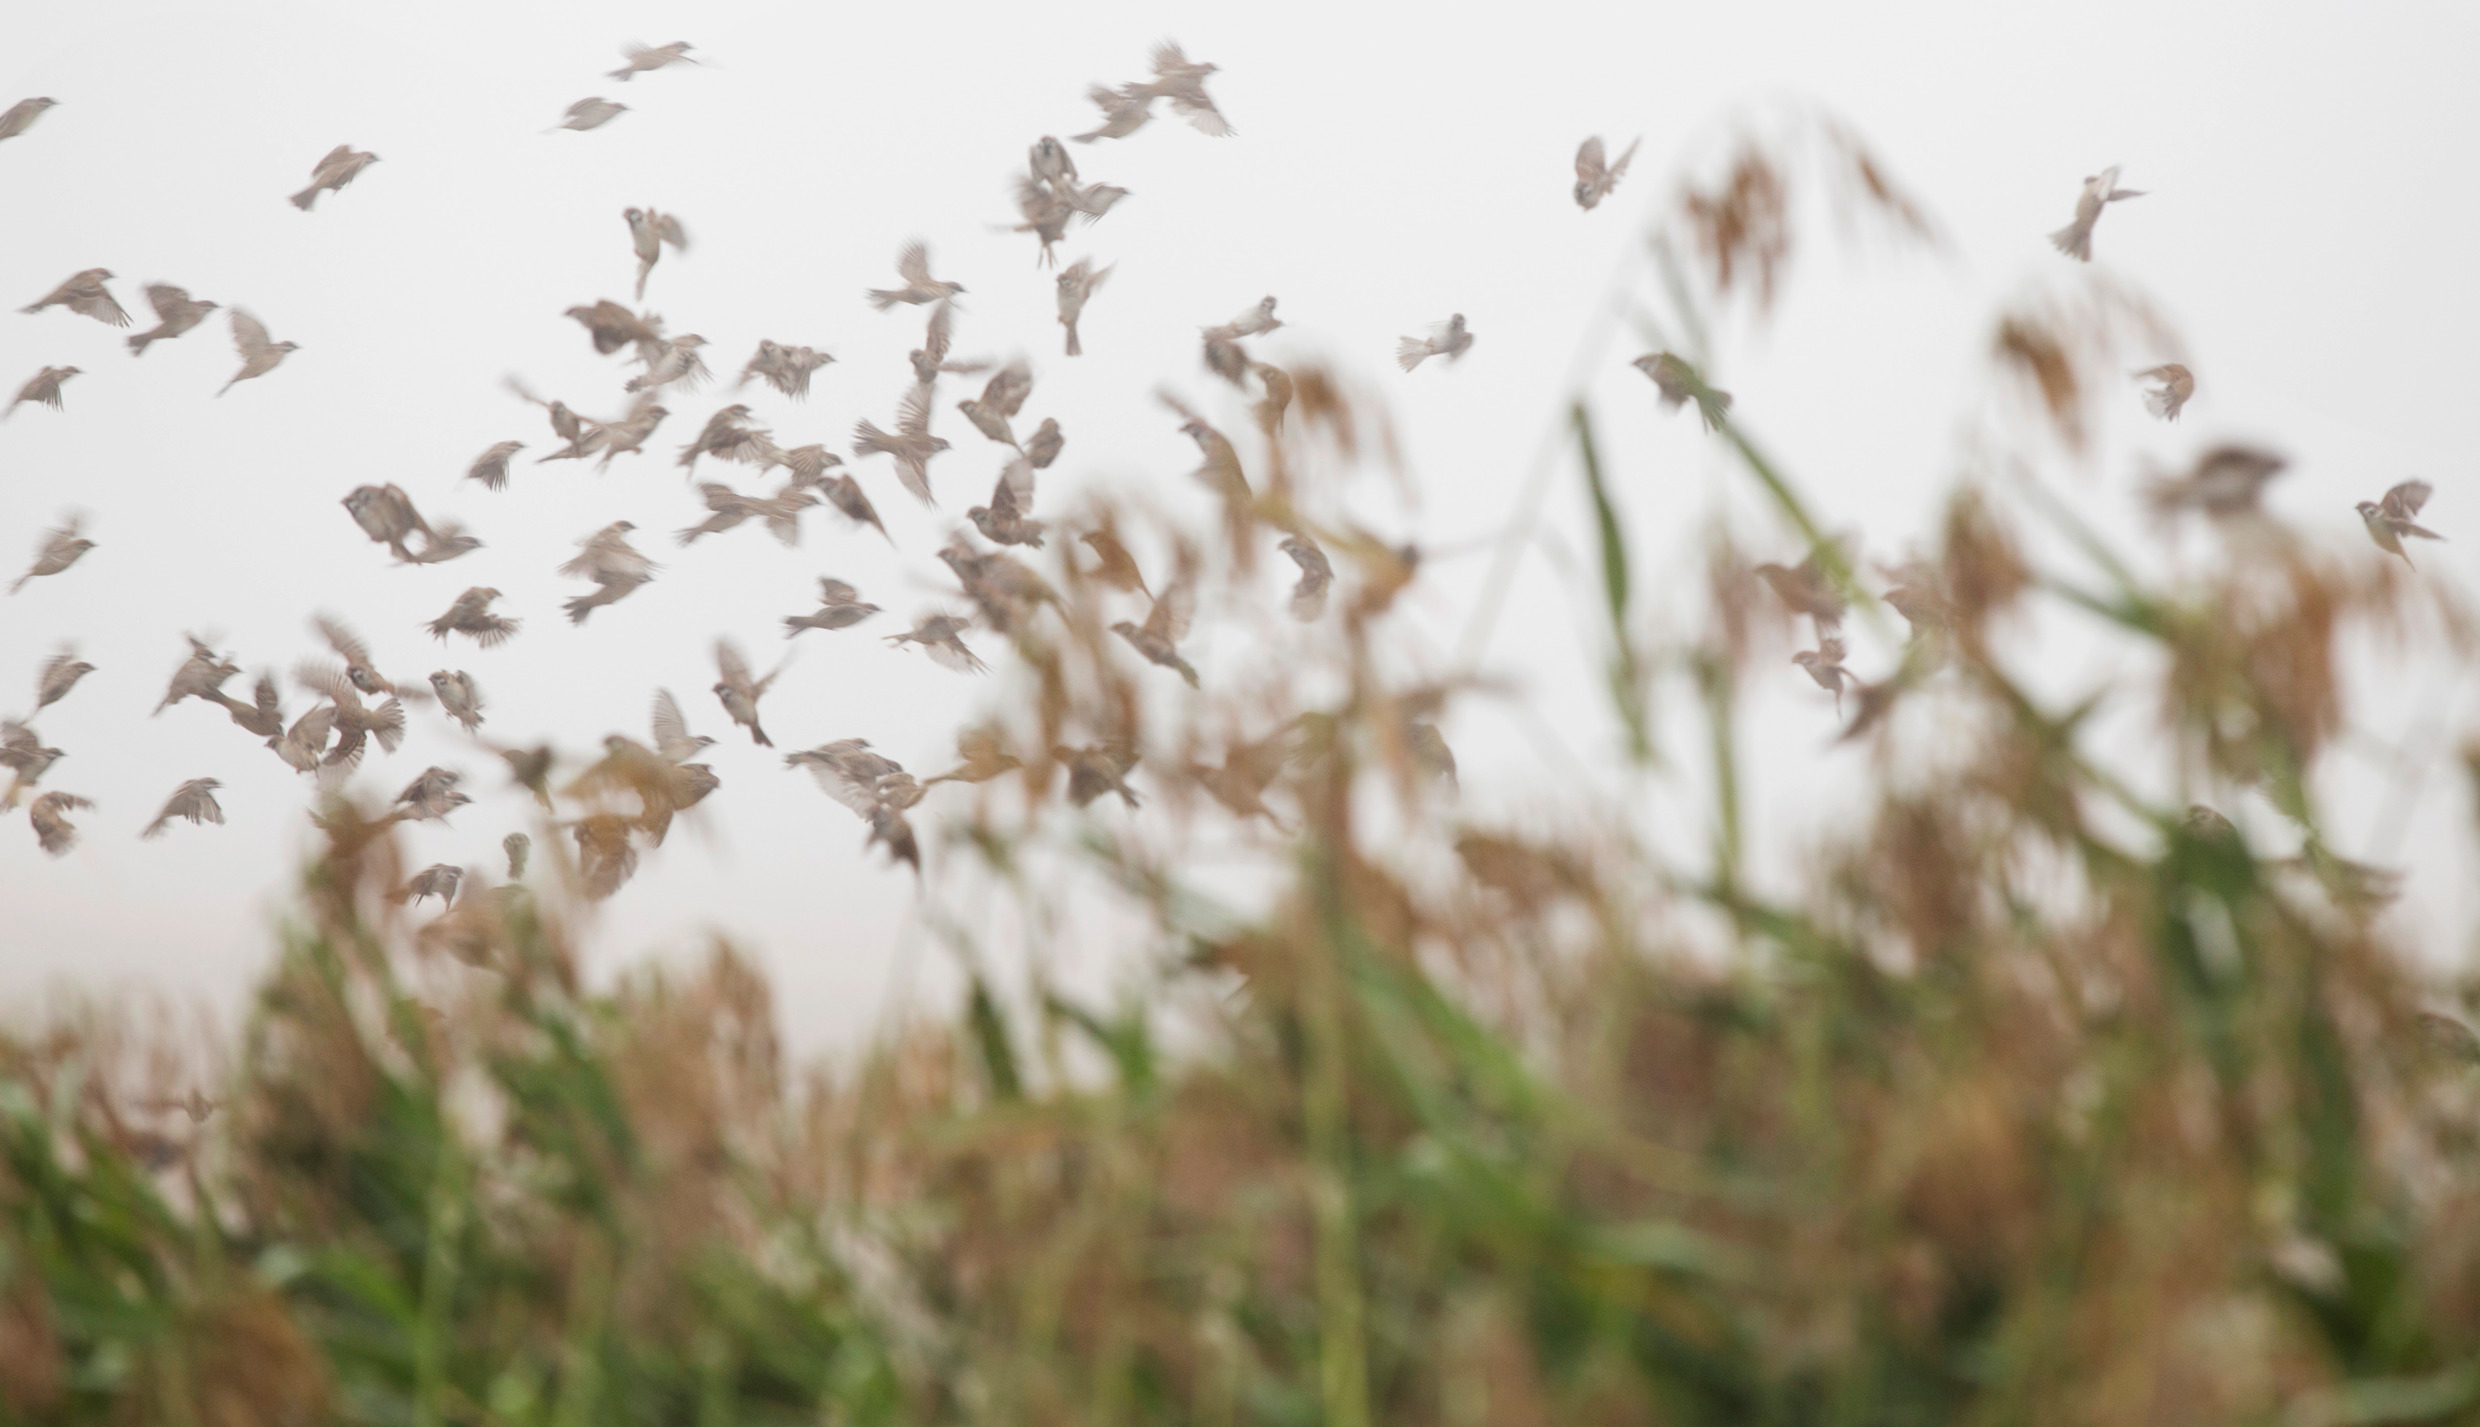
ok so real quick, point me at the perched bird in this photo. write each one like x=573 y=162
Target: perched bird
x=1046 y=444
x=85 y=294
x=62 y=547
x=386 y=514
x=592 y=112
x=58 y=676
x=912 y=446
x=259 y=356
x=175 y=313
x=1124 y=111
x=194 y=801
x=519 y=847
x=937 y=634
x=204 y=672
x=2171 y=387
x=785 y=368
x=20 y=116
x=458 y=697
x=739 y=691
x=1807 y=590
x=341 y=166
x=913 y=265
x=645 y=60
x=1450 y=341
x=431 y=797
x=1098 y=769
x=43 y=388
x=2075 y=240
x=491 y=467
x=471 y=615
x=648 y=232
x=615 y=567
x=1076 y=287
x=1316 y=576
x=1825 y=665
x=437 y=880
x=1165 y=626
x=840 y=606
x=1679 y=382
x=2226 y=481
x=53 y=832
x=1182 y=82
x=1595 y=179
x=2396 y=516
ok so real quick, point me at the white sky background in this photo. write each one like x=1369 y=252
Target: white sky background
x=2310 y=227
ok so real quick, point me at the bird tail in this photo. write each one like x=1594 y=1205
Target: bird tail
x=579 y=607
x=138 y=343
x=2422 y=531
x=391 y=729
x=1410 y=352
x=643 y=269
x=31 y=310
x=2074 y=240
x=868 y=440
x=883 y=298
x=1075 y=347
x=759 y=734
x=622 y=75
x=2158 y=403
x=306 y=197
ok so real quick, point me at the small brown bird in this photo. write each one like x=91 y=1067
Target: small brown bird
x=1451 y=341
x=53 y=832
x=58 y=676
x=785 y=368
x=1680 y=383
x=1046 y=444
x=437 y=880
x=341 y=166
x=259 y=356
x=592 y=112
x=2075 y=240
x=1003 y=521
x=2226 y=481
x=876 y=788
x=1316 y=576
x=1114 y=565
x=613 y=327
x=61 y=548
x=304 y=745
x=780 y=512
x=1277 y=400
x=20 y=116
x=1224 y=358
x=724 y=435
x=840 y=606
x=643 y=59
x=912 y=446
x=937 y=634
x=930 y=358
x=491 y=467
x=739 y=691
x=175 y=313
x=386 y=514
x=649 y=230
x=1098 y=769
x=444 y=542
x=1048 y=161
x=1091 y=202
x=359 y=670
x=1918 y=594
x=519 y=847
x=630 y=432
x=471 y=615
x=25 y=757
x=1825 y=665
x=2171 y=387
x=1184 y=84
x=983 y=755
x=1124 y=111
x=670 y=361
x=42 y=388
x=1807 y=590
x=355 y=723
x=458 y=697
x=263 y=716
x=1076 y=287
x=1166 y=625
x=1003 y=588
x=204 y=672
x=1255 y=322
x=846 y=495
x=615 y=567
x=606 y=857
x=1429 y=751
x=194 y=801
x=1044 y=213
x=85 y=294
x=1002 y=397
x=1595 y=179
x=2396 y=516
x=530 y=769
x=431 y=797
x=913 y=265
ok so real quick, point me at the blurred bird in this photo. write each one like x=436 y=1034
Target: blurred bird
x=846 y=495
x=983 y=756
x=1184 y=84
x=840 y=606
x=1098 y=769
x=304 y=745
x=175 y=313
x=913 y=265
x=672 y=738
x=25 y=757
x=1807 y=590
x=912 y=446
x=437 y=880
x=617 y=569
x=1825 y=665
x=724 y=435
x=930 y=358
x=1166 y=625
x=1003 y=522
x=259 y=356
x=43 y=388
x=193 y=801
x=671 y=361
x=444 y=542
x=613 y=327
x=491 y=467
x=61 y=548
x=1680 y=383
x=458 y=697
x=1450 y=340
x=85 y=294
x=606 y=858
x=645 y=60
x=630 y=432
x=431 y=797
x=785 y=368
x=1044 y=212
x=1076 y=287
x=1918 y=594
x=2226 y=481
x=2395 y=516
x=341 y=166
x=20 y=116
x=1092 y=201
x=739 y=691
x=1428 y=749
x=359 y=670
x=1124 y=111
x=1255 y=322
x=386 y=515
x=1115 y=566
x=203 y=672
x=1596 y=179
x=1240 y=784
x=1316 y=576
x=851 y=773
x=1004 y=589
x=471 y=615
x=1002 y=397
x=1046 y=444
x=2075 y=240
x=263 y=716
x=355 y=723
x=1277 y=400
x=937 y=634
x=808 y=464
x=53 y=832
x=589 y=113
x=1224 y=358
x=649 y=230
x=58 y=676
x=519 y=847
x=780 y=512
x=530 y=769
x=2172 y=386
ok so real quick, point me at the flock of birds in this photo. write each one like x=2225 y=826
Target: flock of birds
x=355 y=705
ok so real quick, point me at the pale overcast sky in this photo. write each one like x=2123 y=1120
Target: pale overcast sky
x=2309 y=225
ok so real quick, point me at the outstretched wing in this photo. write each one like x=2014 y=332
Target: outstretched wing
x=250 y=336
x=913 y=262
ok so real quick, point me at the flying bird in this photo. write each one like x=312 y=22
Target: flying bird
x=387 y=515
x=1450 y=341
x=20 y=116
x=2225 y=481
x=1098 y=769
x=983 y=755
x=1825 y=665
x=670 y=361
x=615 y=567
x=437 y=880
x=1183 y=82
x=938 y=636
x=785 y=368
x=643 y=59
x=913 y=265
x=648 y=232
x=62 y=547
x=1002 y=397
x=84 y=293
x=58 y=676
x=342 y=165
x=259 y=356
x=1255 y=322
x=491 y=467
x=42 y=388
x=1595 y=179
x=1680 y=383
x=1076 y=288
x=1807 y=590
x=2075 y=240
x=430 y=797
x=2170 y=387
x=175 y=313
x=740 y=691
x=458 y=697
x=25 y=757
x=613 y=326
x=53 y=831
x=193 y=801
x=471 y=615
x=912 y=446
x=202 y=673
x=1316 y=576
x=1004 y=521
x=1165 y=626
x=1114 y=565
x=359 y=670
x=1124 y=111
x=840 y=606
x=1045 y=446
x=2396 y=516
x=589 y=113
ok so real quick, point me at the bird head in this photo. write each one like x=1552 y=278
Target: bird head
x=70 y=371
x=1585 y=195
x=2369 y=510
x=288 y=346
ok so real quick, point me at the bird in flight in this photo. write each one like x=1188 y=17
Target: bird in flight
x=2100 y=190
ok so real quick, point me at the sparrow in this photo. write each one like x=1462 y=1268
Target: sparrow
x=846 y=495
x=1224 y=358
x=648 y=232
x=785 y=368
x=1316 y=576
x=1184 y=84
x=937 y=634
x=519 y=847
x=1076 y=287
x=912 y=446
x=2075 y=240
x=204 y=672
x=1806 y=590
x=739 y=691
x=85 y=294
x=304 y=745
x=1000 y=399
x=661 y=778
x=630 y=432
x=1044 y=212
x=437 y=880
x=1681 y=383
x=175 y=313
x=359 y=671
x=194 y=801
x=1124 y=111
x=43 y=387
x=471 y=615
x=53 y=832
x=263 y=716
x=1240 y=784
x=58 y=676
x=840 y=606
x=1825 y=665
x=355 y=723
x=2173 y=385
x=672 y=739
x=617 y=569
x=458 y=697
x=808 y=464
x=1115 y=566
x=983 y=756
x=1221 y=472
x=530 y=769
x=1090 y=203
x=644 y=60
x=781 y=512
x=491 y=467
x=1165 y=626
x=1098 y=769
x=1003 y=521
x=670 y=361
x=724 y=436
x=2395 y=515
x=444 y=542
x=2225 y=481
x=1277 y=400
x=606 y=858
x=1451 y=341
x=1596 y=179
x=20 y=116
x=1048 y=161
x=386 y=515
x=589 y=113
x=1255 y=322
x=1919 y=596
x=852 y=774
x=342 y=165
x=259 y=356
x=1003 y=588
x=25 y=757
x=61 y=548
x=930 y=358
x=913 y=265
x=430 y=797
x=613 y=327
x=1045 y=446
